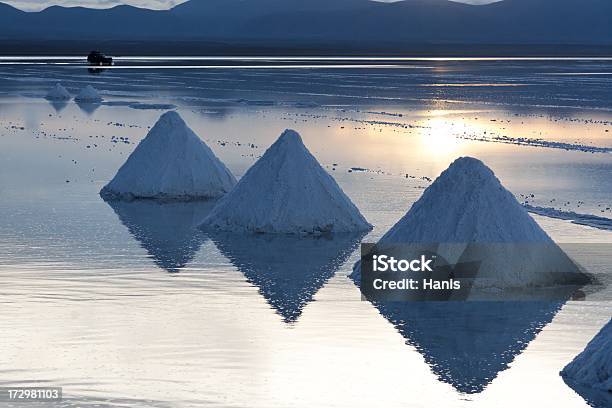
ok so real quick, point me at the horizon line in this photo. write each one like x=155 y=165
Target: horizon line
x=172 y=6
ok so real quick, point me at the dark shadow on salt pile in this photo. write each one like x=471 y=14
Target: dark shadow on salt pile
x=167 y=231
x=467 y=344
x=288 y=270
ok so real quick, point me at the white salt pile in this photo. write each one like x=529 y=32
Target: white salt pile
x=89 y=94
x=287 y=191
x=593 y=367
x=172 y=163
x=468 y=204
x=58 y=93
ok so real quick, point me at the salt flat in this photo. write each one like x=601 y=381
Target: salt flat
x=139 y=307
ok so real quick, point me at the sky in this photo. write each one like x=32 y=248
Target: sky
x=153 y=4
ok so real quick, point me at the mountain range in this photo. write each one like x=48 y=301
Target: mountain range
x=327 y=23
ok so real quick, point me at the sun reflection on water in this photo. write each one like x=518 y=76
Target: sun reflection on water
x=438 y=138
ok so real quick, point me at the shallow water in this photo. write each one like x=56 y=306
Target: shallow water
x=130 y=305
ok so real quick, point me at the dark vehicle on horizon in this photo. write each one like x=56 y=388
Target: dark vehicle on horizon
x=97 y=58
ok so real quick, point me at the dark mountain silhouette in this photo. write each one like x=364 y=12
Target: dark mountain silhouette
x=10 y=18
x=327 y=23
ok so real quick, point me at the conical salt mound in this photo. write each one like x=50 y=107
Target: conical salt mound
x=593 y=367
x=58 y=93
x=466 y=203
x=287 y=191
x=89 y=94
x=468 y=207
x=172 y=163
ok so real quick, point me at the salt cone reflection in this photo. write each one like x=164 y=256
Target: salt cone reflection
x=167 y=231
x=58 y=106
x=288 y=270
x=594 y=397
x=467 y=344
x=88 y=107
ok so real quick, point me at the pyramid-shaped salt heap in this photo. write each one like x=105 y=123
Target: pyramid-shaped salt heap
x=467 y=205
x=89 y=94
x=171 y=163
x=287 y=191
x=593 y=367
x=58 y=93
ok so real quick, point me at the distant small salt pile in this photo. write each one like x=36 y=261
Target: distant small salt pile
x=593 y=367
x=467 y=204
x=170 y=163
x=58 y=93
x=89 y=94
x=288 y=192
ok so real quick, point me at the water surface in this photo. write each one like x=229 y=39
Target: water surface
x=132 y=305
